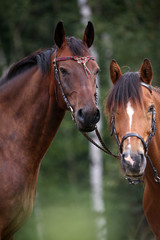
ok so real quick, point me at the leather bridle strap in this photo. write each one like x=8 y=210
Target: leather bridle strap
x=132 y=135
x=147 y=86
x=81 y=60
x=60 y=85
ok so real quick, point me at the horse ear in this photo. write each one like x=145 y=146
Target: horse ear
x=146 y=71
x=60 y=34
x=88 y=37
x=115 y=71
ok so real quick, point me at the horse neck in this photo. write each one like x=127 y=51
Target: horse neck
x=156 y=100
x=154 y=148
x=30 y=116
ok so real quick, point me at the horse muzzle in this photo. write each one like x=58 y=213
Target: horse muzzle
x=86 y=120
x=133 y=164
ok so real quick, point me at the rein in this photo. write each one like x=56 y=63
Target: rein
x=104 y=147
x=145 y=144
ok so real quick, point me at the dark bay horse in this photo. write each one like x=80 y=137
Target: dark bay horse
x=133 y=107
x=34 y=96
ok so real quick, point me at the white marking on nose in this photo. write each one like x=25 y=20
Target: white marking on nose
x=130 y=113
x=129 y=159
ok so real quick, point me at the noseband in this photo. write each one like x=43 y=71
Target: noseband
x=145 y=144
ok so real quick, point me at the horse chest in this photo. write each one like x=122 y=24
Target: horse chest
x=16 y=201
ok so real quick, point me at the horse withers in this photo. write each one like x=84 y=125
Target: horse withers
x=133 y=108
x=34 y=96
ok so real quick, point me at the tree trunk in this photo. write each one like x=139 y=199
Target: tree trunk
x=96 y=167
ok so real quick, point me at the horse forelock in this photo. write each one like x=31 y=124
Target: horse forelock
x=77 y=46
x=126 y=88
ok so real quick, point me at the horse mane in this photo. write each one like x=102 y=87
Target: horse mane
x=127 y=87
x=41 y=58
x=156 y=89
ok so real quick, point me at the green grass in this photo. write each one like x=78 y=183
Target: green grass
x=68 y=222
x=67 y=216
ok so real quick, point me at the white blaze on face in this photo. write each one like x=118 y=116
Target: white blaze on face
x=130 y=113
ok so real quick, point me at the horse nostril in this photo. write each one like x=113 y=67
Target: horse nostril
x=127 y=161
x=97 y=116
x=80 y=115
x=88 y=117
x=142 y=156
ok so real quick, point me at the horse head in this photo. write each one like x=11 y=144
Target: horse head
x=132 y=114
x=77 y=71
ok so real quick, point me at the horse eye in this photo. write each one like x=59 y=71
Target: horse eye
x=96 y=98
x=151 y=108
x=98 y=71
x=63 y=71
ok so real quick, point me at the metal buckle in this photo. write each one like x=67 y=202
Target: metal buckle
x=54 y=63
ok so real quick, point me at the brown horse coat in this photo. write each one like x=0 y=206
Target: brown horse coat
x=32 y=108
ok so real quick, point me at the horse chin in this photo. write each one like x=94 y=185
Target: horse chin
x=134 y=179
x=133 y=174
x=85 y=128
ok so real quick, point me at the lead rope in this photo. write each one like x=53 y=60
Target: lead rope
x=104 y=147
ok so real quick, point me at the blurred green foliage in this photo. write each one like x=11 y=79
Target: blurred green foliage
x=125 y=30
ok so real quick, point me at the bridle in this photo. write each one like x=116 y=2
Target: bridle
x=144 y=143
x=83 y=61
x=152 y=132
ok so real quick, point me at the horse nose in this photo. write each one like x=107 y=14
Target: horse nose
x=86 y=119
x=133 y=164
x=85 y=116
